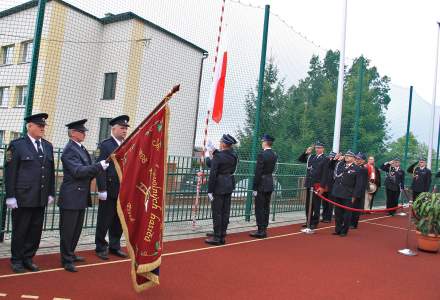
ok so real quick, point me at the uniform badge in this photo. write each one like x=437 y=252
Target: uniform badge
x=8 y=155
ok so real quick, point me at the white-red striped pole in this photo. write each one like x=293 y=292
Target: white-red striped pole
x=208 y=114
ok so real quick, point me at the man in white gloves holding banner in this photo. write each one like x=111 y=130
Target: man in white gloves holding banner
x=108 y=190
x=30 y=186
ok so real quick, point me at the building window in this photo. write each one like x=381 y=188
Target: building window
x=14 y=135
x=104 y=129
x=20 y=97
x=2 y=137
x=4 y=96
x=7 y=54
x=109 y=86
x=26 y=51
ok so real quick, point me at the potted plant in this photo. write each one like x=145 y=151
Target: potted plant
x=426 y=211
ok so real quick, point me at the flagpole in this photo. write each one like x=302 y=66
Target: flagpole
x=340 y=91
x=434 y=96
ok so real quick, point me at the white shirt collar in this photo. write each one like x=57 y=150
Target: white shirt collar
x=268 y=149
x=117 y=141
x=79 y=144
x=33 y=143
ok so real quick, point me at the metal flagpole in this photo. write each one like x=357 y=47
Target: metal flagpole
x=338 y=115
x=434 y=96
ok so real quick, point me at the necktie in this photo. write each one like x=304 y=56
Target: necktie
x=39 y=150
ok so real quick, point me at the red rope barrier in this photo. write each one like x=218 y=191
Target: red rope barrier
x=357 y=209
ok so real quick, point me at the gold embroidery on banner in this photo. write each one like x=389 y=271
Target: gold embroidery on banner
x=146 y=191
x=130 y=216
x=156 y=144
x=143 y=158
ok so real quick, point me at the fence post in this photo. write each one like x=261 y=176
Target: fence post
x=258 y=111
x=408 y=124
x=34 y=64
x=358 y=104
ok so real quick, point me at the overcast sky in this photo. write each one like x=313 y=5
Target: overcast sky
x=399 y=36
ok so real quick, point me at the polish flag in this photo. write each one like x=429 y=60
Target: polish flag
x=216 y=97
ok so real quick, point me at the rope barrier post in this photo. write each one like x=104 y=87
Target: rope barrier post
x=308 y=230
x=402 y=213
x=407 y=251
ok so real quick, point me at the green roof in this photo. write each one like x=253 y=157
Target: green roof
x=106 y=20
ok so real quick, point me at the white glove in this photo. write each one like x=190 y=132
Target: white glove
x=50 y=200
x=210 y=197
x=255 y=193
x=102 y=195
x=11 y=203
x=104 y=164
x=210 y=146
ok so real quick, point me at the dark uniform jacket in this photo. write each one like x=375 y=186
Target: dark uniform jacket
x=28 y=178
x=395 y=178
x=221 y=177
x=78 y=174
x=327 y=178
x=263 y=180
x=421 y=178
x=315 y=166
x=108 y=180
x=347 y=183
x=363 y=179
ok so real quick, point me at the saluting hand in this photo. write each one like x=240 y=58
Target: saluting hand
x=50 y=200
x=254 y=193
x=309 y=150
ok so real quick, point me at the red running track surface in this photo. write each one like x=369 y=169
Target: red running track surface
x=363 y=265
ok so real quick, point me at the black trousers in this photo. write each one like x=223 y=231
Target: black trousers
x=262 y=209
x=108 y=221
x=327 y=208
x=358 y=203
x=71 y=224
x=221 y=209
x=415 y=195
x=392 y=200
x=342 y=216
x=372 y=200
x=27 y=225
x=316 y=208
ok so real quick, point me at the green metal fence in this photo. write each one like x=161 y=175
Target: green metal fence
x=181 y=188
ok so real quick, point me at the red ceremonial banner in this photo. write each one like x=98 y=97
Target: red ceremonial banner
x=141 y=165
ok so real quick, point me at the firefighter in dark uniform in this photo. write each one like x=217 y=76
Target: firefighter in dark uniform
x=345 y=190
x=315 y=166
x=327 y=182
x=263 y=185
x=421 y=178
x=75 y=195
x=30 y=186
x=394 y=183
x=221 y=183
x=108 y=190
x=359 y=202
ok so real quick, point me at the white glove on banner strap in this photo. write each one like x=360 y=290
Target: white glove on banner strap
x=11 y=203
x=50 y=200
x=255 y=193
x=102 y=195
x=104 y=164
x=210 y=146
x=211 y=197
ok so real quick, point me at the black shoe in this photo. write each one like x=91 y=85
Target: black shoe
x=78 y=259
x=313 y=227
x=102 y=255
x=222 y=241
x=353 y=227
x=336 y=233
x=28 y=264
x=213 y=241
x=256 y=234
x=18 y=268
x=69 y=267
x=118 y=253
x=343 y=234
x=210 y=234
